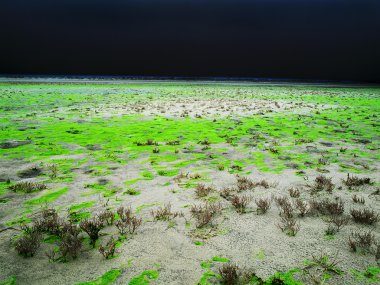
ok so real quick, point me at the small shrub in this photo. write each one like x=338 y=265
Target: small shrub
x=202 y=191
x=128 y=226
x=323 y=160
x=220 y=167
x=28 y=244
x=289 y=225
x=263 y=183
x=108 y=250
x=174 y=142
x=70 y=244
x=355 y=181
x=164 y=213
x=134 y=192
x=294 y=192
x=49 y=222
x=364 y=216
x=27 y=187
x=124 y=213
x=285 y=206
x=226 y=193
x=273 y=150
x=148 y=142
x=205 y=213
x=327 y=207
x=30 y=172
x=92 y=227
x=107 y=217
x=156 y=150
x=326 y=263
x=331 y=230
x=229 y=274
x=53 y=168
x=322 y=183
x=128 y=222
x=263 y=205
x=302 y=207
x=339 y=221
x=181 y=176
x=204 y=142
x=236 y=167
x=240 y=202
x=361 y=241
x=244 y=183
x=357 y=199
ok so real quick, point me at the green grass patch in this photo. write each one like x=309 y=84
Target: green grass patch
x=144 y=278
x=107 y=278
x=47 y=198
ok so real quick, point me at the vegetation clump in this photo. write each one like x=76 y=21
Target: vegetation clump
x=28 y=244
x=327 y=207
x=205 y=213
x=30 y=172
x=364 y=216
x=294 y=192
x=49 y=222
x=107 y=217
x=229 y=274
x=92 y=227
x=357 y=199
x=240 y=202
x=361 y=241
x=27 y=187
x=302 y=207
x=244 y=183
x=202 y=190
x=108 y=250
x=128 y=222
x=263 y=205
x=147 y=142
x=352 y=180
x=70 y=244
x=322 y=183
x=165 y=213
x=289 y=225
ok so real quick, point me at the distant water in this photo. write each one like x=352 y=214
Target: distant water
x=179 y=79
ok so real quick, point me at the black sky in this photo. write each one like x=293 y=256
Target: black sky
x=306 y=39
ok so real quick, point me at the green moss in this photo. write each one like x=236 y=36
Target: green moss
x=83 y=205
x=220 y=259
x=286 y=278
x=51 y=239
x=147 y=175
x=77 y=217
x=18 y=221
x=206 y=276
x=47 y=198
x=10 y=281
x=143 y=206
x=168 y=172
x=371 y=275
x=107 y=278
x=3 y=188
x=144 y=278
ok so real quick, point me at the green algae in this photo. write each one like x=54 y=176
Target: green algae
x=371 y=275
x=107 y=278
x=47 y=198
x=10 y=281
x=144 y=278
x=143 y=206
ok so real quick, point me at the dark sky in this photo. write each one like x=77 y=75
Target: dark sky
x=307 y=39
